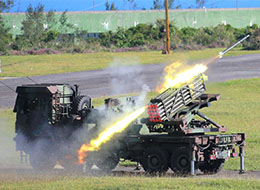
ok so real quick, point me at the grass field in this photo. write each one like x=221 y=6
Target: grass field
x=125 y=183
x=32 y=65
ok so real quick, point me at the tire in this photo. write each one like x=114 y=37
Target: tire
x=212 y=167
x=156 y=160
x=108 y=162
x=83 y=102
x=180 y=162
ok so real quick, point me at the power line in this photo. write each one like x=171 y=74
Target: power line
x=7 y=86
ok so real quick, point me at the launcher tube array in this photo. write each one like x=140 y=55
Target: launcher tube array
x=173 y=99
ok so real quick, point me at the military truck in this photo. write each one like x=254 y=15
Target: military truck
x=49 y=120
x=54 y=120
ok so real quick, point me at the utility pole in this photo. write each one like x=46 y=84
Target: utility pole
x=237 y=4
x=167 y=27
x=93 y=5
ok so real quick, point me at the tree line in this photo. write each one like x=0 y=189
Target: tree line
x=51 y=33
x=157 y=4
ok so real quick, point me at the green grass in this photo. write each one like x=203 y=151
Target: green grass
x=125 y=183
x=238 y=110
x=33 y=65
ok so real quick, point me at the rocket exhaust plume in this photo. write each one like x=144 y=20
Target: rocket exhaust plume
x=178 y=74
x=108 y=133
x=174 y=77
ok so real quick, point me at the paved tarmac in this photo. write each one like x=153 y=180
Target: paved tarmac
x=128 y=79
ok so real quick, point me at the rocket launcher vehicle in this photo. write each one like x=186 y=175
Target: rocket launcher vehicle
x=174 y=110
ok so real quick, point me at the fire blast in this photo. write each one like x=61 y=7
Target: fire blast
x=108 y=133
x=173 y=78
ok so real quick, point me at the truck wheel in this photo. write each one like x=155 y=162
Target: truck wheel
x=83 y=102
x=108 y=162
x=156 y=160
x=212 y=167
x=180 y=162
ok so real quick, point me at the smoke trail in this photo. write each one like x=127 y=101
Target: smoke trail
x=126 y=76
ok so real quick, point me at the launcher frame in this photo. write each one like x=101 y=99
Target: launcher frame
x=174 y=110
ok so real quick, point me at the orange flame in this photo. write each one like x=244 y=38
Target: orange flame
x=176 y=80
x=175 y=77
x=107 y=134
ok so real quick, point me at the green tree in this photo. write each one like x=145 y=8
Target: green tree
x=64 y=25
x=51 y=20
x=6 y=37
x=6 y=5
x=33 y=25
x=38 y=27
x=170 y=4
x=51 y=34
x=200 y=3
x=70 y=33
x=107 y=6
x=110 y=7
x=113 y=7
x=254 y=40
x=157 y=4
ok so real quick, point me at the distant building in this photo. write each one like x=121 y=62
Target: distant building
x=98 y=22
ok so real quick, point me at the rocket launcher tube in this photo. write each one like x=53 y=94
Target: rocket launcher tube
x=172 y=100
x=231 y=47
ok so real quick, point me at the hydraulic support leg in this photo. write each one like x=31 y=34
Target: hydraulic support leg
x=23 y=158
x=193 y=159
x=242 y=159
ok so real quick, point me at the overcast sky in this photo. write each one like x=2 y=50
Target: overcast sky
x=99 y=5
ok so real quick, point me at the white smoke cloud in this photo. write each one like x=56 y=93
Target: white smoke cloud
x=9 y=157
x=126 y=76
